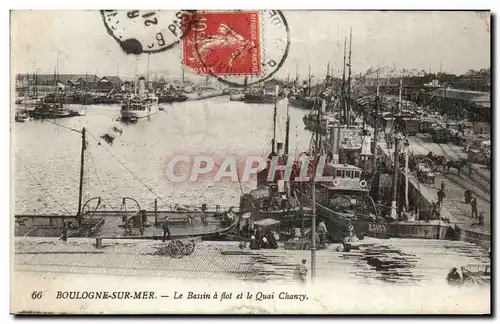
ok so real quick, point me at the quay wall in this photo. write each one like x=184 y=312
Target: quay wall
x=420 y=195
x=472 y=236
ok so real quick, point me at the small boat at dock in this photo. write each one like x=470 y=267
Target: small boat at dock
x=141 y=106
x=21 y=117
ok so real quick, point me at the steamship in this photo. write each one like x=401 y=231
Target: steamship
x=141 y=105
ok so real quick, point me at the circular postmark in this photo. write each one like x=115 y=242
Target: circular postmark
x=147 y=31
x=239 y=48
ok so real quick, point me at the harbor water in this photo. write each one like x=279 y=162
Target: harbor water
x=47 y=156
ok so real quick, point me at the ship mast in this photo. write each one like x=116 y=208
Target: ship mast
x=274 y=120
x=344 y=106
x=79 y=215
x=375 y=133
x=397 y=144
x=309 y=82
x=287 y=130
x=349 y=81
x=182 y=70
x=296 y=76
x=147 y=76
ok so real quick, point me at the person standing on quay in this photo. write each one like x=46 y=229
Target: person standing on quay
x=441 y=195
x=467 y=196
x=303 y=272
x=65 y=230
x=473 y=205
x=165 y=229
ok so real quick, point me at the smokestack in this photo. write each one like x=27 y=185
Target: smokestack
x=279 y=148
x=142 y=87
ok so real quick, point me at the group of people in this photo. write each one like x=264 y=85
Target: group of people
x=469 y=199
x=263 y=241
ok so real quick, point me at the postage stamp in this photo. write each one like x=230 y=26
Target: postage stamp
x=237 y=47
x=146 y=31
x=224 y=43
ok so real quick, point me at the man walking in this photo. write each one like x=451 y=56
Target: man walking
x=65 y=230
x=481 y=219
x=165 y=229
x=473 y=205
x=322 y=232
x=441 y=195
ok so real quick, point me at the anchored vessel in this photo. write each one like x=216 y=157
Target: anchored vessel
x=90 y=221
x=140 y=106
x=345 y=203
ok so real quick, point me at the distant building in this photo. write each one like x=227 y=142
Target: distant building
x=474 y=80
x=107 y=83
x=79 y=81
x=463 y=103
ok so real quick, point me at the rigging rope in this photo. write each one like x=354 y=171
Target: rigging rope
x=57 y=124
x=126 y=168
x=98 y=179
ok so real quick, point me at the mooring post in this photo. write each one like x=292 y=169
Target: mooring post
x=98 y=242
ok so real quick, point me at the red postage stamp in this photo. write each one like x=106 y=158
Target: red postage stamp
x=224 y=43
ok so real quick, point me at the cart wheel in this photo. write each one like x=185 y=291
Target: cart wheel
x=174 y=250
x=188 y=249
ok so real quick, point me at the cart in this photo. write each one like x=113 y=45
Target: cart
x=179 y=248
x=425 y=174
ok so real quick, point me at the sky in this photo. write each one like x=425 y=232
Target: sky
x=77 y=42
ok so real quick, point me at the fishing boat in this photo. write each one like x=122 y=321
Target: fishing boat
x=21 y=117
x=260 y=96
x=93 y=220
x=301 y=102
x=237 y=97
x=191 y=222
x=476 y=274
x=141 y=106
x=53 y=105
x=344 y=202
x=170 y=97
x=44 y=110
x=275 y=199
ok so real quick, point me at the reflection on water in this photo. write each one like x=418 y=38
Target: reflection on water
x=216 y=127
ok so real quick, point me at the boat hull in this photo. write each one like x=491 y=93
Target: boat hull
x=338 y=224
x=259 y=101
x=43 y=115
x=51 y=225
x=136 y=114
x=128 y=114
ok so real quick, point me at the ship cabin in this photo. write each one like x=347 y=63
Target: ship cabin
x=133 y=105
x=346 y=177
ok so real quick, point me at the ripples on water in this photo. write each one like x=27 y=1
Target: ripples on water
x=216 y=127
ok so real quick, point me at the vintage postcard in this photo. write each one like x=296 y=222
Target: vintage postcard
x=250 y=162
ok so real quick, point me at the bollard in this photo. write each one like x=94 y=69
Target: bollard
x=98 y=243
